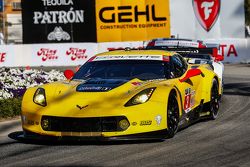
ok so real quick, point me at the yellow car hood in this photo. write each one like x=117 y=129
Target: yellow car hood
x=105 y=95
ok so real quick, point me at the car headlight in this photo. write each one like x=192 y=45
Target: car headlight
x=141 y=97
x=39 y=97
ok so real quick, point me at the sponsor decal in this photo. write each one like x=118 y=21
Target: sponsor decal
x=81 y=107
x=81 y=88
x=76 y=54
x=158 y=119
x=136 y=83
x=144 y=123
x=123 y=48
x=2 y=57
x=47 y=54
x=189 y=99
x=132 y=20
x=134 y=123
x=165 y=58
x=128 y=57
x=188 y=51
x=207 y=12
x=175 y=43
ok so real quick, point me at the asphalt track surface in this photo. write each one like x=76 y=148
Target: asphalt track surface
x=224 y=142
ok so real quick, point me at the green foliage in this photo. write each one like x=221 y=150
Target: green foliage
x=10 y=107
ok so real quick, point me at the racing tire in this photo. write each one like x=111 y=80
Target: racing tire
x=214 y=101
x=172 y=115
x=222 y=87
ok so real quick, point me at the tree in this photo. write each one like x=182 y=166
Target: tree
x=247 y=11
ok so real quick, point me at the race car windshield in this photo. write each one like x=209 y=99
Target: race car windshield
x=124 y=69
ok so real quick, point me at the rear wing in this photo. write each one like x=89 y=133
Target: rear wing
x=213 y=51
x=185 y=46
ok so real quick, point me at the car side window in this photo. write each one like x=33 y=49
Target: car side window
x=184 y=62
x=178 y=66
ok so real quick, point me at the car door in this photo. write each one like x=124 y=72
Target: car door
x=188 y=89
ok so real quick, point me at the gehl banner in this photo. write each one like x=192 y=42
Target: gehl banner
x=55 y=21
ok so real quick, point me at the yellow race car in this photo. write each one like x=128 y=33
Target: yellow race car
x=123 y=95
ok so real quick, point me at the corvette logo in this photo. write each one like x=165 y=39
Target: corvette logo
x=81 y=107
x=207 y=12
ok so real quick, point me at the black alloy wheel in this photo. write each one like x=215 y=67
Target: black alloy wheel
x=214 y=102
x=172 y=116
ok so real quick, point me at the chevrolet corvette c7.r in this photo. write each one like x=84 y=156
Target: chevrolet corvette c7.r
x=123 y=95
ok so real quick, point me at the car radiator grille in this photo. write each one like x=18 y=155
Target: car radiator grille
x=94 y=124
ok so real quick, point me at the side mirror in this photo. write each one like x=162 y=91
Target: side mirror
x=191 y=73
x=68 y=74
x=219 y=58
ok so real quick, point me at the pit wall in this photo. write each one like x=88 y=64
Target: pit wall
x=73 y=54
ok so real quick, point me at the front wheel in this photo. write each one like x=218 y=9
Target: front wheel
x=172 y=115
x=214 y=102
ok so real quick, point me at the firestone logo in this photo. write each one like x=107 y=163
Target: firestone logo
x=47 y=54
x=2 y=57
x=76 y=54
x=207 y=12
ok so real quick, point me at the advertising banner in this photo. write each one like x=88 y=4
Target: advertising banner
x=74 y=54
x=126 y=20
x=233 y=50
x=7 y=57
x=64 y=21
x=63 y=54
x=53 y=21
x=207 y=19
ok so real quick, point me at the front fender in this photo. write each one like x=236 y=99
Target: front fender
x=52 y=91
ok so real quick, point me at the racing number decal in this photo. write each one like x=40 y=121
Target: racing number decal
x=189 y=99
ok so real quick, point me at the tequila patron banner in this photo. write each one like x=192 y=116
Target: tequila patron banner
x=53 y=21
x=56 y=21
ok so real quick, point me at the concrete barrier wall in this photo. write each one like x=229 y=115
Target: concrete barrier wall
x=71 y=54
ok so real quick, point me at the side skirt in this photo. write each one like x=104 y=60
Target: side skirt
x=198 y=113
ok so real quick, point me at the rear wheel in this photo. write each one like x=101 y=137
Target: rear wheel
x=214 y=102
x=172 y=115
